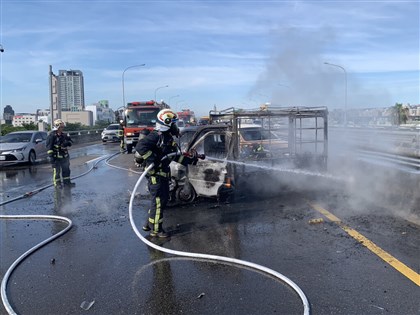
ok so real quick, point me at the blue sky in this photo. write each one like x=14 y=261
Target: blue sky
x=214 y=53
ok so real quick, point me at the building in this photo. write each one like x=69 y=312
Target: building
x=101 y=112
x=414 y=113
x=71 y=96
x=43 y=115
x=21 y=119
x=8 y=114
x=85 y=118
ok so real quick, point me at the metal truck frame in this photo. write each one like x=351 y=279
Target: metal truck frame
x=241 y=143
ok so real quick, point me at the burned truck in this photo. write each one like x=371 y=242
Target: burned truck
x=239 y=144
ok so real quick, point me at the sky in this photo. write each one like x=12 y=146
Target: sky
x=213 y=54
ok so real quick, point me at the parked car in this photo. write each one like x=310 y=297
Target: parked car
x=23 y=147
x=257 y=142
x=110 y=133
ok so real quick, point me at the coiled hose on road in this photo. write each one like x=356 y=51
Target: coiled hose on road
x=12 y=267
x=306 y=306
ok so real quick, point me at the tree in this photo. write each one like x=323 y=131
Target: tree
x=400 y=114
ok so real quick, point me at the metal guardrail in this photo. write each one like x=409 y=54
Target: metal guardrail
x=83 y=136
x=406 y=161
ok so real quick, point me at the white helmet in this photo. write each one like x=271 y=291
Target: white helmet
x=58 y=123
x=165 y=119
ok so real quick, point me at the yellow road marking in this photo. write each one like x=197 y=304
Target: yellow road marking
x=402 y=268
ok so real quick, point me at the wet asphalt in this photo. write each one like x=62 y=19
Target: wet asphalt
x=101 y=267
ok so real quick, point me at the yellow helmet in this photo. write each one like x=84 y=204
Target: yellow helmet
x=58 y=123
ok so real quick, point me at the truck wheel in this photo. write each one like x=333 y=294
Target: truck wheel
x=186 y=193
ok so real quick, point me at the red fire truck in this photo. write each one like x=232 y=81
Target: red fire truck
x=139 y=116
x=186 y=115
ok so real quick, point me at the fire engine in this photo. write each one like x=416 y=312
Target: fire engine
x=138 y=116
x=186 y=115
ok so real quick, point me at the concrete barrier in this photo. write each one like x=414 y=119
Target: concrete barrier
x=84 y=136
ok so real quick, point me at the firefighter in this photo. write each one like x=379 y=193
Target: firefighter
x=57 y=148
x=121 y=135
x=137 y=156
x=152 y=149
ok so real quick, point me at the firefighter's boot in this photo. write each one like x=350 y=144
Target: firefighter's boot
x=69 y=184
x=159 y=233
x=146 y=226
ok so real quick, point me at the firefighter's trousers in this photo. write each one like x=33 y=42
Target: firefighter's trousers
x=122 y=145
x=61 y=170
x=159 y=191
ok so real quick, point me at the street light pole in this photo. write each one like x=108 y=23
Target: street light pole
x=169 y=102
x=176 y=105
x=160 y=87
x=123 y=92
x=345 y=93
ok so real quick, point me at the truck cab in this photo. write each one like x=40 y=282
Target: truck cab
x=139 y=116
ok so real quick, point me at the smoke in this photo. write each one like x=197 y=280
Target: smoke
x=295 y=74
x=352 y=184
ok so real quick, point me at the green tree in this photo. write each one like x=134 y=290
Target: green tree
x=74 y=127
x=30 y=126
x=400 y=114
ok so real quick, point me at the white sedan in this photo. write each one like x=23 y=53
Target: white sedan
x=23 y=147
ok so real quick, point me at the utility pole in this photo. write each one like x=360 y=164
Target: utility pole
x=345 y=89
x=51 y=97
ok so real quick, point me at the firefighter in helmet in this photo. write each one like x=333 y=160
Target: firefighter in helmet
x=57 y=145
x=121 y=135
x=152 y=149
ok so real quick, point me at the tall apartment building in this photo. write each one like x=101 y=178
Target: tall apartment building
x=71 y=95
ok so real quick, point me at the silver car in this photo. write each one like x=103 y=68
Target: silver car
x=110 y=133
x=23 y=147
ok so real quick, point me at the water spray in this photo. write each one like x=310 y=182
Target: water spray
x=277 y=168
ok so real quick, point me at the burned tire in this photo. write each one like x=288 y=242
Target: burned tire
x=186 y=193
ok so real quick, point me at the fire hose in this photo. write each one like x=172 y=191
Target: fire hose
x=3 y=289
x=5 y=280
x=295 y=287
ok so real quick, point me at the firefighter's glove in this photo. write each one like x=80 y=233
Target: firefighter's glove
x=138 y=158
x=201 y=156
x=67 y=142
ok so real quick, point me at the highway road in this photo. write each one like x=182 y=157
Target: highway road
x=349 y=240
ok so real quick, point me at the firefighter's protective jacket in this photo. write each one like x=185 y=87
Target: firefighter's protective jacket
x=57 y=145
x=155 y=146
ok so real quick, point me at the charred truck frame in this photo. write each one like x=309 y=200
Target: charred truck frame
x=240 y=143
